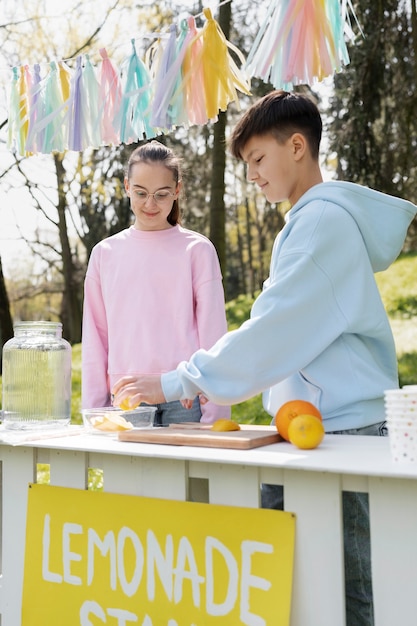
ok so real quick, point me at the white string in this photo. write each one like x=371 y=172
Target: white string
x=149 y=35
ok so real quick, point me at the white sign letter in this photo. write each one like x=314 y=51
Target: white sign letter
x=46 y=543
x=67 y=555
x=91 y=607
x=231 y=589
x=122 y=616
x=249 y=580
x=131 y=587
x=105 y=546
x=164 y=564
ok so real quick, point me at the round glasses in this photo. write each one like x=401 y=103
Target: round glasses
x=160 y=197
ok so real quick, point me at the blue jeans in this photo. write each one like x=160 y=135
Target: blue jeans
x=356 y=538
x=174 y=413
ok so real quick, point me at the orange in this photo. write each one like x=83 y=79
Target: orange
x=306 y=431
x=225 y=425
x=291 y=409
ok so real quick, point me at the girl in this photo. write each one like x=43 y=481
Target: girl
x=153 y=293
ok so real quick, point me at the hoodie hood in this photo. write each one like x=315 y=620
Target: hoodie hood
x=383 y=220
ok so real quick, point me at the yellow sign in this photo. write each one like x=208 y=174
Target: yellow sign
x=95 y=558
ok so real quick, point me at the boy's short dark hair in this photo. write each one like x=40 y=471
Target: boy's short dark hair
x=281 y=114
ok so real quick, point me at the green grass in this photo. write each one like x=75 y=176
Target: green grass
x=398 y=287
x=76 y=385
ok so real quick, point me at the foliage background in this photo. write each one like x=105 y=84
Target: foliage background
x=70 y=201
x=397 y=288
x=75 y=200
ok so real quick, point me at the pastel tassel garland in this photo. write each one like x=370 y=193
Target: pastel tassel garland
x=299 y=42
x=183 y=80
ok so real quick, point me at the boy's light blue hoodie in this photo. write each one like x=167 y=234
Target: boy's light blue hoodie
x=319 y=330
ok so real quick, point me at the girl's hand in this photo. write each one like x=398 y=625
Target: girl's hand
x=136 y=390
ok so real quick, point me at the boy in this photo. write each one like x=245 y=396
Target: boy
x=318 y=331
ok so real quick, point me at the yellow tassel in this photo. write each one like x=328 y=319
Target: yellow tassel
x=65 y=80
x=221 y=74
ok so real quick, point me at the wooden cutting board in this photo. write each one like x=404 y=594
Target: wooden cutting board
x=194 y=435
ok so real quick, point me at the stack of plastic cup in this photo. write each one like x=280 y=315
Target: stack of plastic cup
x=401 y=418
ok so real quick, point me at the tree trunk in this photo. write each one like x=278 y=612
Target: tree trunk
x=241 y=283
x=217 y=204
x=414 y=31
x=6 y=322
x=249 y=244
x=71 y=312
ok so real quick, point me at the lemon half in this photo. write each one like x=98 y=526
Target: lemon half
x=224 y=425
x=125 y=406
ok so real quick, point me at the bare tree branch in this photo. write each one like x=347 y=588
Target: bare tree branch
x=92 y=37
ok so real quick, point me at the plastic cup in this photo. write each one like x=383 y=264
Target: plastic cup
x=401 y=406
x=403 y=442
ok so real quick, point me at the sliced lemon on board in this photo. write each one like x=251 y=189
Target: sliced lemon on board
x=224 y=425
x=111 y=423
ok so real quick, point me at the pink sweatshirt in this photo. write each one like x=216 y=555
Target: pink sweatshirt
x=151 y=299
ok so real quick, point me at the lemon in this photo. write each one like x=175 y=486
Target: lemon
x=126 y=406
x=223 y=425
x=111 y=423
x=306 y=431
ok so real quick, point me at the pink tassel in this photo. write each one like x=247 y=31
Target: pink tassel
x=25 y=85
x=193 y=79
x=111 y=97
x=34 y=140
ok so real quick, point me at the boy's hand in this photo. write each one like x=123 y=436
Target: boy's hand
x=138 y=389
x=188 y=404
